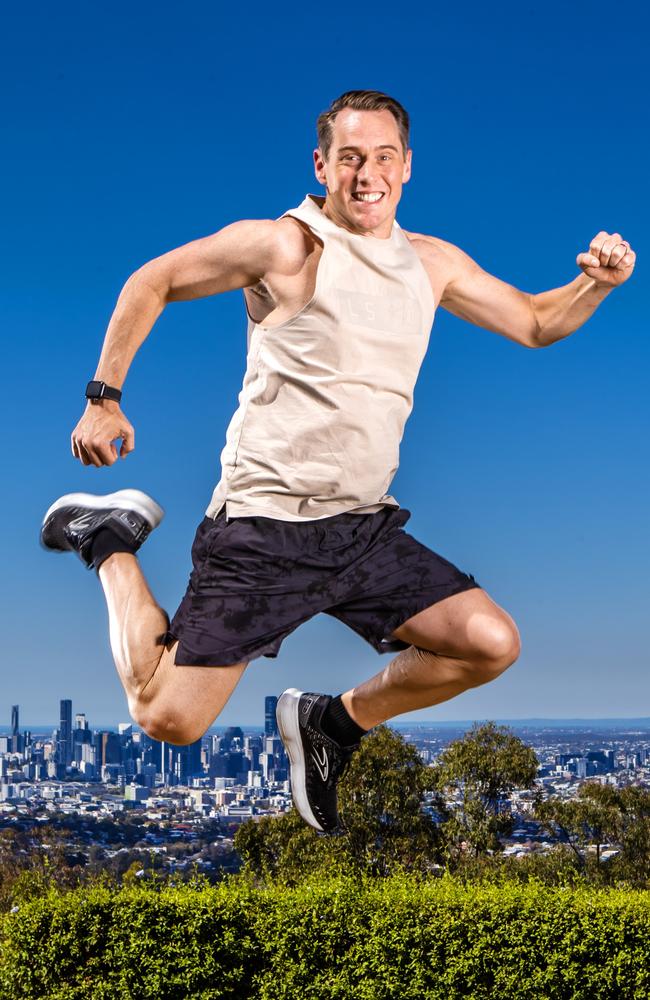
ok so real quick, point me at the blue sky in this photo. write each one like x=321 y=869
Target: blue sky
x=133 y=129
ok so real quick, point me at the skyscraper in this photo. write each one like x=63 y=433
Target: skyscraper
x=65 y=733
x=15 y=734
x=270 y=723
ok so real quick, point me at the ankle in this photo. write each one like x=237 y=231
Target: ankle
x=339 y=725
x=107 y=543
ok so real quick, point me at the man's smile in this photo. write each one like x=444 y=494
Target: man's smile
x=368 y=196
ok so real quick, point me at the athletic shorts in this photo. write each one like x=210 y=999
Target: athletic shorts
x=256 y=579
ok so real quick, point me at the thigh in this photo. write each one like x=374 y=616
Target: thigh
x=254 y=580
x=184 y=700
x=395 y=579
x=460 y=625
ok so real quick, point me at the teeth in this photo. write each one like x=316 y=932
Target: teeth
x=368 y=197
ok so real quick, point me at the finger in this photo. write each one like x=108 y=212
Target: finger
x=597 y=243
x=628 y=254
x=617 y=255
x=73 y=446
x=608 y=248
x=128 y=441
x=106 y=452
x=584 y=260
x=83 y=455
x=90 y=451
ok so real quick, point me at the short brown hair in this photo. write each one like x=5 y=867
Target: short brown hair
x=361 y=100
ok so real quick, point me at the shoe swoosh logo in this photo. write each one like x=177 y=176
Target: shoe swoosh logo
x=322 y=763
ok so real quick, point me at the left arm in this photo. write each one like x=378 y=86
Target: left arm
x=536 y=320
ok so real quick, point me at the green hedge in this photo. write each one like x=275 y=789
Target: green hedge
x=394 y=938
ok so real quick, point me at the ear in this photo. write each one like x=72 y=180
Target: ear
x=319 y=167
x=407 y=167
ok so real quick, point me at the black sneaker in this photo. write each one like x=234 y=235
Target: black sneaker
x=317 y=761
x=73 y=520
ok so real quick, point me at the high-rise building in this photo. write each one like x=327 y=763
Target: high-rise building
x=14 y=739
x=232 y=739
x=270 y=723
x=80 y=721
x=185 y=761
x=110 y=748
x=253 y=748
x=65 y=733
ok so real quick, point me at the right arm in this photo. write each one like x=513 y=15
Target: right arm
x=235 y=257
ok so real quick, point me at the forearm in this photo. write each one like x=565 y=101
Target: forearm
x=138 y=307
x=561 y=311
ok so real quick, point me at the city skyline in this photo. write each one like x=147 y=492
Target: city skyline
x=112 y=790
x=267 y=723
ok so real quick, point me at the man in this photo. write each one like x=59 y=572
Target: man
x=340 y=302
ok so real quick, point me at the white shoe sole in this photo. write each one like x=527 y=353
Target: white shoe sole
x=134 y=500
x=287 y=716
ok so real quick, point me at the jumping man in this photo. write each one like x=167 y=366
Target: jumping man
x=340 y=303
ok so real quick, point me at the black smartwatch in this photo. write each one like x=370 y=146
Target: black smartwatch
x=99 y=390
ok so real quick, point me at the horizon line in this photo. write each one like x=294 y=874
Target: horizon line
x=625 y=719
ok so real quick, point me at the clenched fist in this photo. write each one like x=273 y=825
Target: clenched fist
x=102 y=423
x=609 y=261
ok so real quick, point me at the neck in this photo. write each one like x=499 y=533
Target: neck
x=383 y=231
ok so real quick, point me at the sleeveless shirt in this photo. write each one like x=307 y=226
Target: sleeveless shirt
x=326 y=393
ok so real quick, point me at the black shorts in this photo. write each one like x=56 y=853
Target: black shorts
x=256 y=579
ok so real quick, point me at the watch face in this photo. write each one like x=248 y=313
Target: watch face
x=94 y=390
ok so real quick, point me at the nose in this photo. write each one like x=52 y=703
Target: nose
x=365 y=173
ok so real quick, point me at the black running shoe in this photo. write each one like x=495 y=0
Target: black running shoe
x=73 y=520
x=317 y=761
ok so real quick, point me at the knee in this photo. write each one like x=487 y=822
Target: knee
x=496 y=647
x=165 y=724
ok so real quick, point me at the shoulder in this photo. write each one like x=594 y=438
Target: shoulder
x=438 y=254
x=294 y=244
x=285 y=243
x=268 y=245
x=443 y=262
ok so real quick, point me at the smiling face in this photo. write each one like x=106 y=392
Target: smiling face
x=364 y=171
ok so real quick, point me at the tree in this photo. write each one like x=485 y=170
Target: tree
x=633 y=862
x=601 y=814
x=476 y=774
x=380 y=801
x=283 y=848
x=588 y=820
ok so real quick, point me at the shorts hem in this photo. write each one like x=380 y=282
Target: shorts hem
x=186 y=658
x=395 y=645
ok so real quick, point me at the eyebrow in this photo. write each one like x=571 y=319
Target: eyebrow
x=355 y=149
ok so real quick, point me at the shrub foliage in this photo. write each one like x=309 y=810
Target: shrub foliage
x=398 y=937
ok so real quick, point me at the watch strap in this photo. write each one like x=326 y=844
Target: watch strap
x=99 y=390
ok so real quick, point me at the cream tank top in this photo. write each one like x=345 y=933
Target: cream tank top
x=327 y=392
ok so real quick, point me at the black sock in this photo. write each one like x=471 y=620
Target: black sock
x=338 y=724
x=105 y=543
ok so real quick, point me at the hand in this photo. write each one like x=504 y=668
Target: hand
x=102 y=423
x=610 y=260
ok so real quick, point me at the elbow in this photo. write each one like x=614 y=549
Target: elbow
x=534 y=337
x=149 y=280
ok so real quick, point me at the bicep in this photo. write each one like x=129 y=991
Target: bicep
x=484 y=300
x=234 y=257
